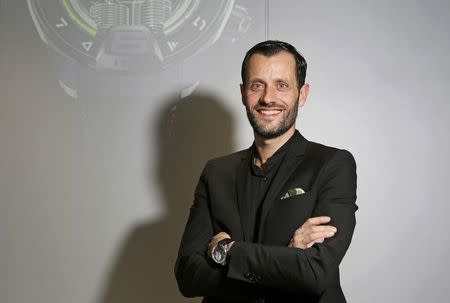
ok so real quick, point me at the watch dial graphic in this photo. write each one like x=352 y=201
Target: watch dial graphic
x=134 y=35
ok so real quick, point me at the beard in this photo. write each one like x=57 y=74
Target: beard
x=289 y=118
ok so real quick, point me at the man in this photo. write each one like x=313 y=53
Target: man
x=271 y=223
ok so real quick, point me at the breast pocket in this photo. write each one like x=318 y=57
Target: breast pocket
x=287 y=215
x=296 y=208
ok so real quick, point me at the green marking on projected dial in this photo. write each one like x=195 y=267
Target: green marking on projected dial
x=79 y=22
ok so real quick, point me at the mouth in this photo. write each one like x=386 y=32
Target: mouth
x=269 y=112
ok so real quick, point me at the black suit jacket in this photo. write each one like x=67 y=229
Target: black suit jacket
x=269 y=271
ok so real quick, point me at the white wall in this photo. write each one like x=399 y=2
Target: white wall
x=94 y=192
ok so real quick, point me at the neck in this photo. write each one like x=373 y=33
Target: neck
x=265 y=147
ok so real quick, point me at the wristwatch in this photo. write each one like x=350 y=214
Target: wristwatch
x=220 y=250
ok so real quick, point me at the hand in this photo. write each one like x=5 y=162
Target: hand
x=312 y=232
x=220 y=236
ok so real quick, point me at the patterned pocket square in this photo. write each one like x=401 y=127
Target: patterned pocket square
x=293 y=192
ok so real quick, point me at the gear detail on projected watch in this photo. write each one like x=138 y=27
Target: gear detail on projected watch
x=133 y=36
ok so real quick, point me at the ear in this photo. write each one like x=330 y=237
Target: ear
x=303 y=94
x=242 y=93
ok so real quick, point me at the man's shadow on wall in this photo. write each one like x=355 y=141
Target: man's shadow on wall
x=190 y=132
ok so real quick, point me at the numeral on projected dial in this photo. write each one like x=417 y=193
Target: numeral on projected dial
x=63 y=23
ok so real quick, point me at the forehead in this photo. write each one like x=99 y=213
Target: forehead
x=281 y=65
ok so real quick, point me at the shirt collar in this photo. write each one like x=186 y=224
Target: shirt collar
x=275 y=158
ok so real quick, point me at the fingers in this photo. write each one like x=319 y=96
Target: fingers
x=321 y=240
x=317 y=221
x=325 y=229
x=220 y=236
x=312 y=232
x=316 y=237
x=303 y=239
x=303 y=244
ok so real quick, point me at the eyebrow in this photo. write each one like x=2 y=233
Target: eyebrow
x=263 y=81
x=255 y=80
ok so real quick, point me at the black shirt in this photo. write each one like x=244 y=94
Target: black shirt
x=259 y=180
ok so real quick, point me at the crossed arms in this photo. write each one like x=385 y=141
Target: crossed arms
x=291 y=269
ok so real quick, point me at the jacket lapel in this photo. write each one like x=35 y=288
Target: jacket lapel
x=243 y=195
x=288 y=165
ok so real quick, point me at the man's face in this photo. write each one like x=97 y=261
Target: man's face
x=271 y=95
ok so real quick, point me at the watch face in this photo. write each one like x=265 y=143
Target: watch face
x=218 y=254
x=121 y=35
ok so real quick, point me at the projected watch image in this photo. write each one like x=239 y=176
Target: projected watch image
x=134 y=35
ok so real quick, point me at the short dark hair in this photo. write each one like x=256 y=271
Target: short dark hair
x=272 y=47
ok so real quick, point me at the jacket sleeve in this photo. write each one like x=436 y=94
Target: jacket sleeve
x=310 y=270
x=195 y=273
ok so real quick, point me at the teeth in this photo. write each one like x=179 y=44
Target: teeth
x=270 y=112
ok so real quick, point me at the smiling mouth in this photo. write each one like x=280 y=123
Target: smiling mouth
x=269 y=112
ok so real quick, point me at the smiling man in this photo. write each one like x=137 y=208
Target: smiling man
x=271 y=223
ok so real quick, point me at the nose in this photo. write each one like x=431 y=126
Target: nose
x=268 y=96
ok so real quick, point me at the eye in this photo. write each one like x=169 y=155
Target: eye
x=256 y=86
x=282 y=85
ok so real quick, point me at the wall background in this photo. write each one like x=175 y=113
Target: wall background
x=94 y=190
